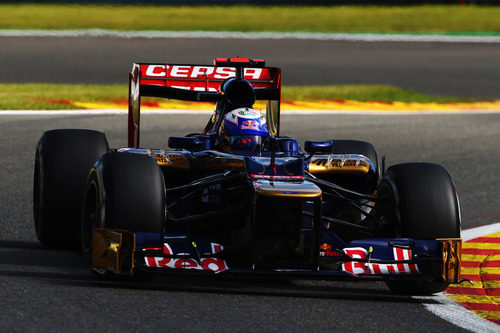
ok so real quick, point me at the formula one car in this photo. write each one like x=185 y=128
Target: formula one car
x=238 y=198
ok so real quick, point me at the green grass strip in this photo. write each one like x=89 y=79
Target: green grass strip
x=468 y=19
x=363 y=93
x=39 y=96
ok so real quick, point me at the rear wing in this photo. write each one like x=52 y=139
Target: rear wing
x=201 y=83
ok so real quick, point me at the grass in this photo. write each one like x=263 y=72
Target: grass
x=408 y=19
x=38 y=96
x=363 y=93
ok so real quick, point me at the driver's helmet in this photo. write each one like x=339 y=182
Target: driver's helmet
x=243 y=129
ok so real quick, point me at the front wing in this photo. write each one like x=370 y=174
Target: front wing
x=124 y=252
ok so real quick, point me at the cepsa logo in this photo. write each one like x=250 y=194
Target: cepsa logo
x=199 y=72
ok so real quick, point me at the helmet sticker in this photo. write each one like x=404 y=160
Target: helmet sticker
x=232 y=118
x=249 y=124
x=246 y=113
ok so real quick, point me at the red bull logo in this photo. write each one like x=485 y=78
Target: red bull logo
x=325 y=247
x=250 y=124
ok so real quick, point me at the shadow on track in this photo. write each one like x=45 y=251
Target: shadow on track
x=29 y=260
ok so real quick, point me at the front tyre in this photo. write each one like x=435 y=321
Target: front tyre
x=420 y=202
x=124 y=191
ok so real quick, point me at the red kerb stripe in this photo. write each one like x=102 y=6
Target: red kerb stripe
x=473 y=291
x=493 y=263
x=473 y=264
x=472 y=277
x=485 y=240
x=483 y=277
x=481 y=251
x=490 y=277
x=465 y=291
x=481 y=306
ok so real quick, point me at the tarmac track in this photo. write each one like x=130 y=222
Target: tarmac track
x=456 y=69
x=44 y=290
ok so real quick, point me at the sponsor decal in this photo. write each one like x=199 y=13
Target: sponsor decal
x=201 y=72
x=249 y=124
x=367 y=268
x=216 y=265
x=330 y=253
x=161 y=158
x=325 y=250
x=232 y=118
x=339 y=163
x=325 y=247
x=248 y=113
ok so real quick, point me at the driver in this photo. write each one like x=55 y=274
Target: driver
x=243 y=129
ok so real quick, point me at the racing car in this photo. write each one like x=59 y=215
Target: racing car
x=238 y=198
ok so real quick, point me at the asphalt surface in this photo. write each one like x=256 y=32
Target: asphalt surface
x=44 y=290
x=454 y=69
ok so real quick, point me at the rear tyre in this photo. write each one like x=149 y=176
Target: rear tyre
x=124 y=191
x=62 y=163
x=420 y=202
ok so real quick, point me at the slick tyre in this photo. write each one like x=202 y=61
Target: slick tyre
x=124 y=191
x=424 y=205
x=62 y=163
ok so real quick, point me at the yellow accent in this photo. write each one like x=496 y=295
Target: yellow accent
x=487 y=314
x=480 y=270
x=479 y=257
x=491 y=284
x=483 y=299
x=114 y=247
x=324 y=163
x=482 y=246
